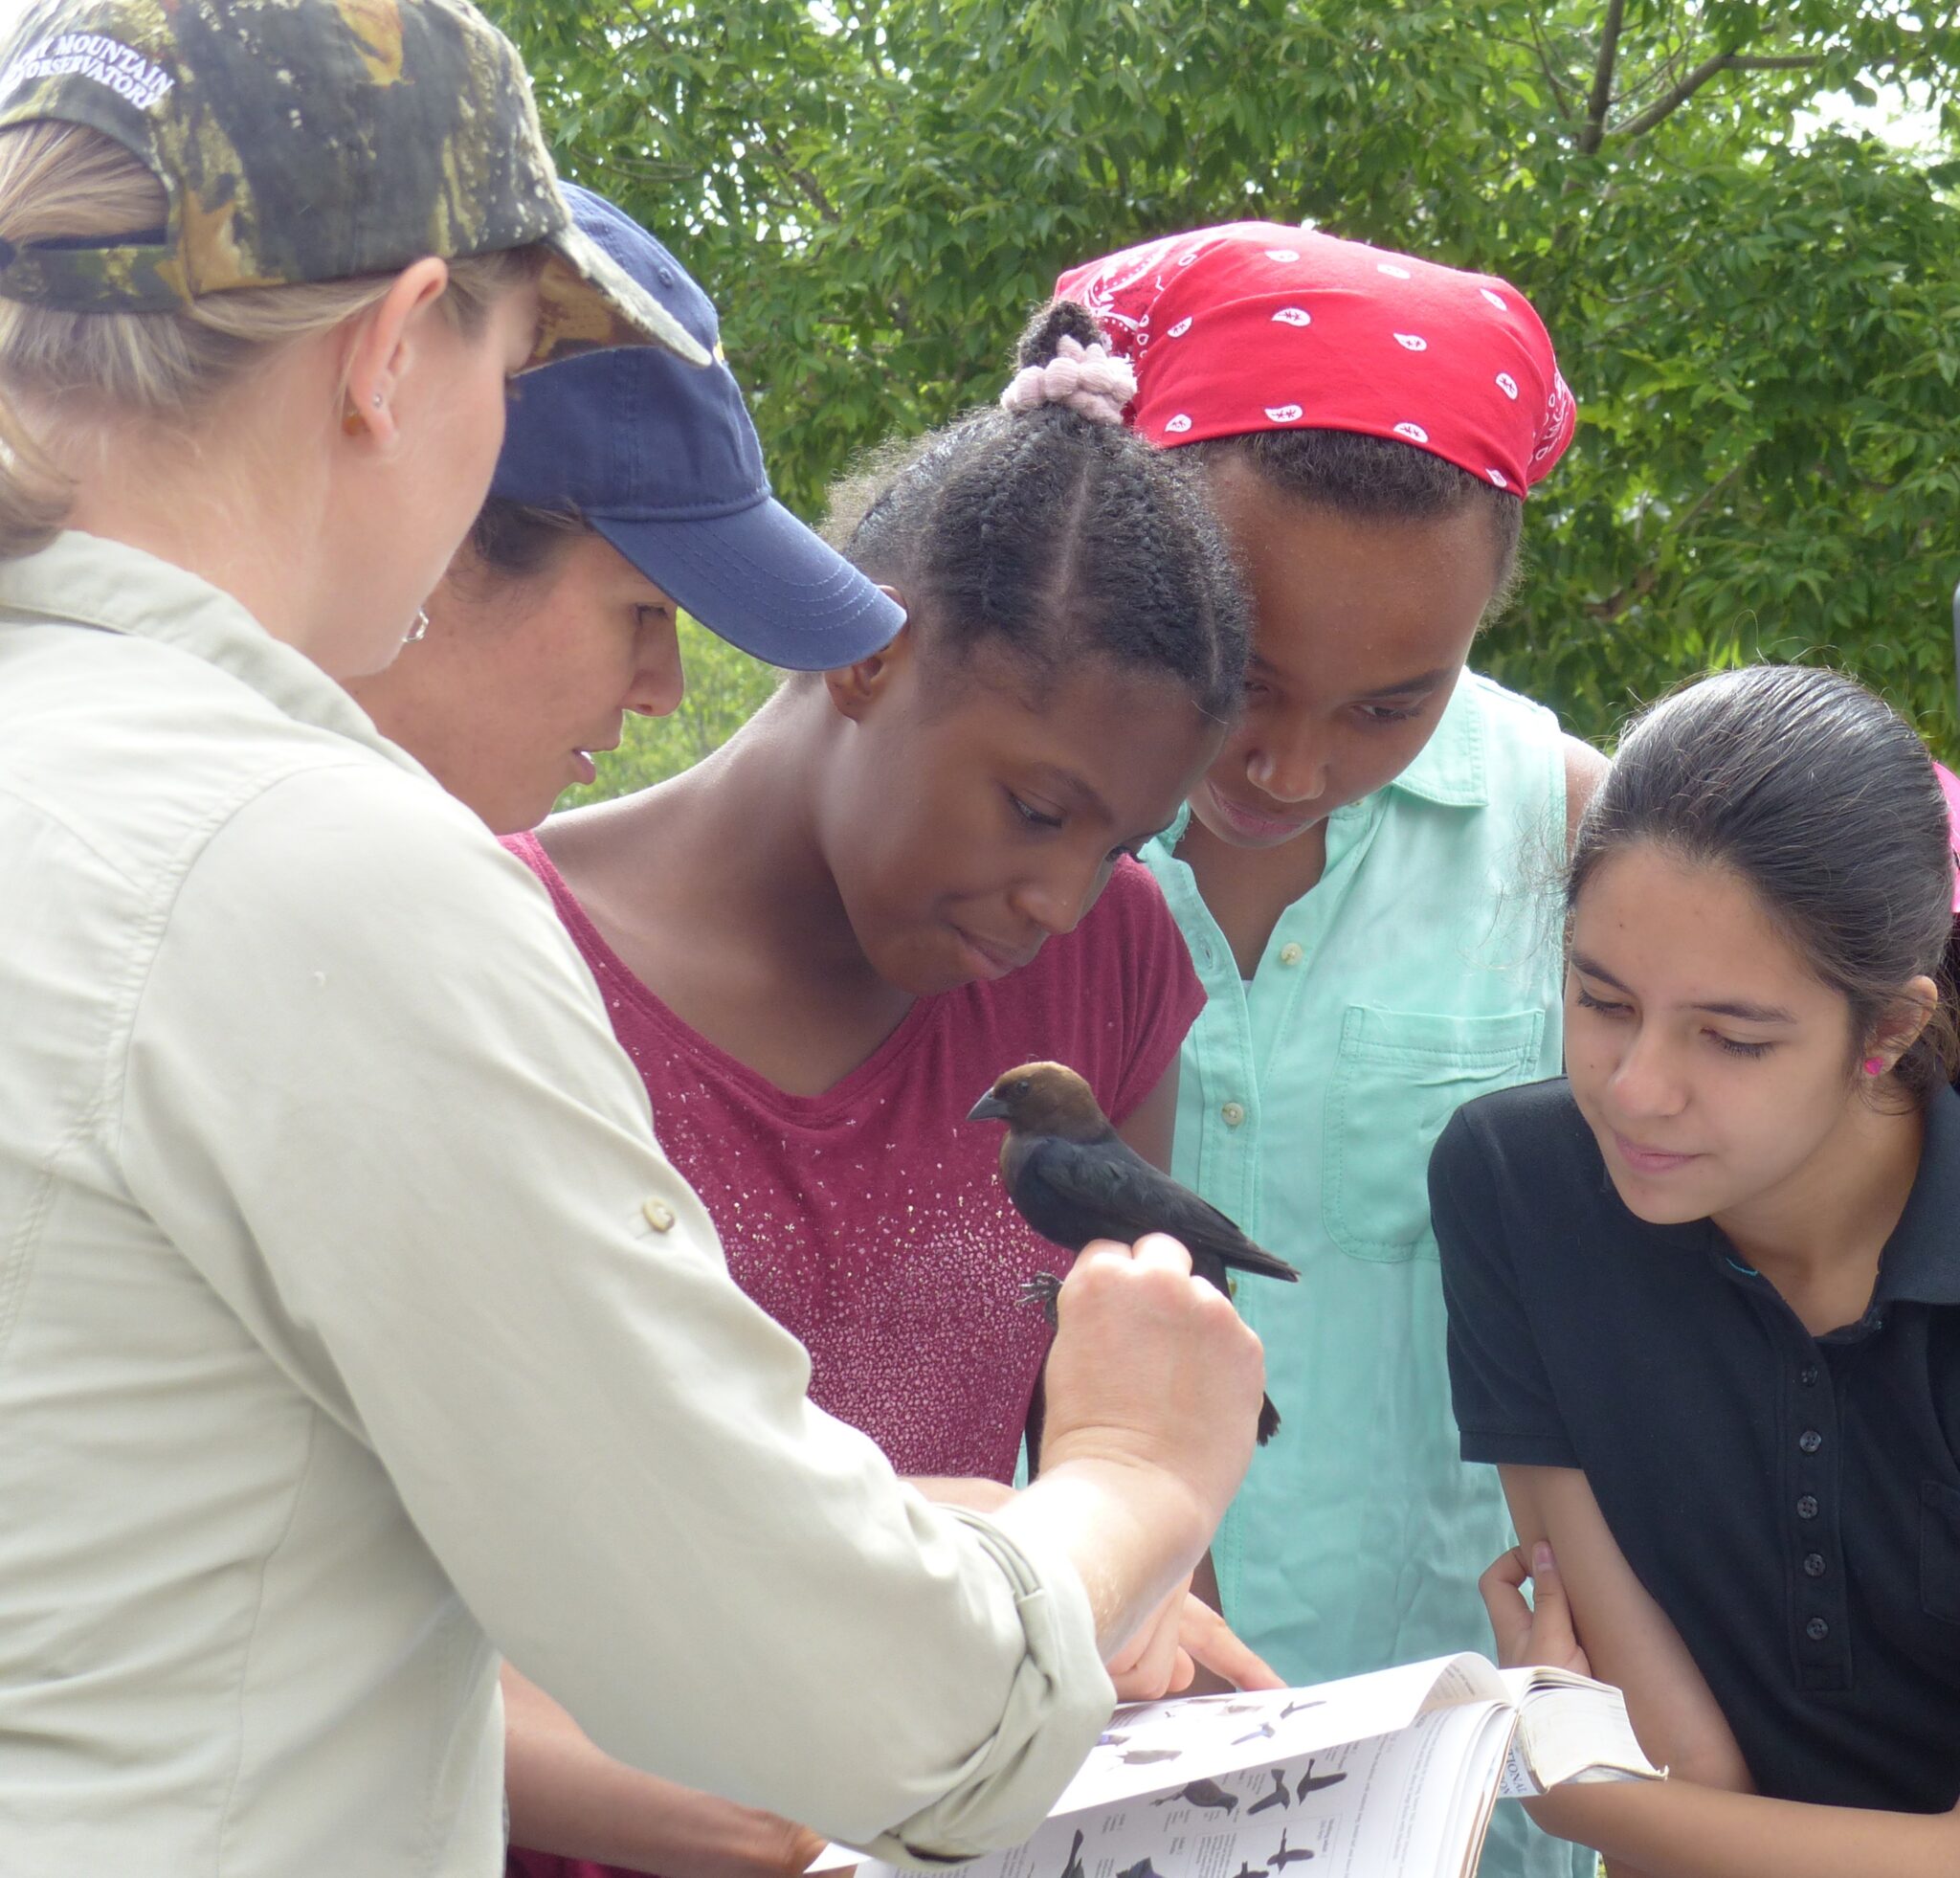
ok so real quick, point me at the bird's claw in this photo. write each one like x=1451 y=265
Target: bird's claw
x=1044 y=1289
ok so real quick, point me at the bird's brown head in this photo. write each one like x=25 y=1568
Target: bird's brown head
x=1043 y=1098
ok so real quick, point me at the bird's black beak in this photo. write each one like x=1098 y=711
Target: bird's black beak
x=990 y=1108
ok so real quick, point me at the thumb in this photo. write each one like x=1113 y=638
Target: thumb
x=1551 y=1615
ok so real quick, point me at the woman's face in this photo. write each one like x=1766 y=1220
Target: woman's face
x=1360 y=632
x=1709 y=1061
x=519 y=680
x=974 y=812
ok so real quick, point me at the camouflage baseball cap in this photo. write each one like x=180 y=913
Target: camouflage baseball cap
x=308 y=140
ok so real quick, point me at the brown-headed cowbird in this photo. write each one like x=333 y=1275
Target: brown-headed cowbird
x=1074 y=1178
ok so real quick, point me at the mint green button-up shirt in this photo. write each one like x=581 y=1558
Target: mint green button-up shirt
x=1423 y=969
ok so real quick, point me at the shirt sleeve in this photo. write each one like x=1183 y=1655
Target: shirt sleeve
x=371 y=1095
x=1505 y=1409
x=1162 y=992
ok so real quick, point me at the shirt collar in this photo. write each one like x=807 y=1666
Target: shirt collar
x=1921 y=1258
x=1450 y=769
x=82 y=579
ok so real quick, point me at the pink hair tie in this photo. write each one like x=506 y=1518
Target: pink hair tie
x=1085 y=378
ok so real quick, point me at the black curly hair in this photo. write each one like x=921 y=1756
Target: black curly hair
x=1053 y=538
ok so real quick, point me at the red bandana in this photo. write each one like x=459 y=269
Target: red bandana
x=1259 y=327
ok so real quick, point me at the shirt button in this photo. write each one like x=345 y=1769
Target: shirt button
x=1810 y=1441
x=659 y=1214
x=1816 y=1630
x=1233 y=1113
x=1808 y=1375
x=1807 y=1507
x=1813 y=1564
x=1290 y=954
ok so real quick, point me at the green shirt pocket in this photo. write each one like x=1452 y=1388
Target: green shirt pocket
x=1399 y=1077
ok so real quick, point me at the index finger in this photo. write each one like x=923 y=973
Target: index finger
x=1158 y=1249
x=1161 y=1250
x=1511 y=1568
x=1209 y=1640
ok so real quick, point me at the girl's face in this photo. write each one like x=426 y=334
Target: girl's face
x=1709 y=1061
x=973 y=813
x=1360 y=632
x=519 y=680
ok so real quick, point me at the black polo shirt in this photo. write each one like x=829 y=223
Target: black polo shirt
x=1793 y=1502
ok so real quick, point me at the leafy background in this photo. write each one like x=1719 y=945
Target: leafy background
x=1754 y=290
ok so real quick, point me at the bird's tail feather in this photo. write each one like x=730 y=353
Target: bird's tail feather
x=1256 y=1260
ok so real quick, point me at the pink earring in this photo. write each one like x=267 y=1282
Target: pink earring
x=1873 y=1064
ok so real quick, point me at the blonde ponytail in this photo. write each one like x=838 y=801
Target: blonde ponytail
x=64 y=182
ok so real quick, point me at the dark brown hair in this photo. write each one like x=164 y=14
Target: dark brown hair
x=515 y=541
x=1820 y=797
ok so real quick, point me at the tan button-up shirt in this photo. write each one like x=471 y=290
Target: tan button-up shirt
x=352 y=1328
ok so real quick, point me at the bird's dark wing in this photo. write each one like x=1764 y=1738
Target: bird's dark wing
x=1073 y=1191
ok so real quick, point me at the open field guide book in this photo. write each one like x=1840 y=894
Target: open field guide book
x=1387 y=1776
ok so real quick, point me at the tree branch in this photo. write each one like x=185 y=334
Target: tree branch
x=1644 y=581
x=1594 y=127
x=812 y=190
x=1560 y=98
x=802 y=180
x=1710 y=68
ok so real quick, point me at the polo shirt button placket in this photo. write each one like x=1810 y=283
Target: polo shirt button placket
x=1823 y=1664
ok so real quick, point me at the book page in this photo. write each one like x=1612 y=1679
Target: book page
x=1150 y=1746
x=1407 y=1805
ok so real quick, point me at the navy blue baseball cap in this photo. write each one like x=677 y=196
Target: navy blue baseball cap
x=663 y=462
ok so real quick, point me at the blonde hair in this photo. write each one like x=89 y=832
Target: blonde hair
x=65 y=182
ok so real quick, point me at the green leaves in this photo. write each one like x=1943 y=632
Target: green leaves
x=1759 y=318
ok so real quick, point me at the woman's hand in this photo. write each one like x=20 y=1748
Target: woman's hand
x=1154 y=1371
x=1181 y=1633
x=1153 y=1388
x=1539 y=1634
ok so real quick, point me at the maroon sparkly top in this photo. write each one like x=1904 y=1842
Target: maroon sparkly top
x=870 y=1220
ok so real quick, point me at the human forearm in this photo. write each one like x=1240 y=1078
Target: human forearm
x=567 y=1796
x=1187 y=1646
x=977 y=1493
x=1627 y=1638
x=1675 y=1829
x=1131 y=1532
